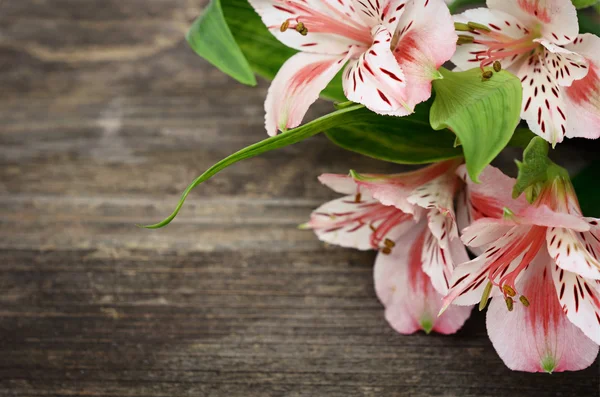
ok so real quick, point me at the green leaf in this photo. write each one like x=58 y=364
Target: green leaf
x=589 y=22
x=483 y=114
x=521 y=138
x=264 y=52
x=211 y=38
x=584 y=3
x=588 y=190
x=288 y=138
x=405 y=140
x=536 y=170
x=458 y=5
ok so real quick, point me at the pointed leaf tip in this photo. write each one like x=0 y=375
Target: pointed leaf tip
x=211 y=38
x=275 y=142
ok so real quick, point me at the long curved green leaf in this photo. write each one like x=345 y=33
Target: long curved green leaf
x=211 y=38
x=287 y=138
x=405 y=140
x=482 y=114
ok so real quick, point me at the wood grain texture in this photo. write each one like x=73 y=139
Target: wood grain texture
x=106 y=117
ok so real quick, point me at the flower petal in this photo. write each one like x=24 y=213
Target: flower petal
x=580 y=300
x=425 y=41
x=332 y=25
x=388 y=189
x=442 y=251
x=437 y=194
x=410 y=300
x=544 y=216
x=492 y=195
x=468 y=56
x=556 y=18
x=470 y=279
x=485 y=231
x=361 y=224
x=576 y=252
x=566 y=66
x=297 y=86
x=375 y=79
x=543 y=101
x=342 y=184
x=538 y=338
x=583 y=96
x=395 y=189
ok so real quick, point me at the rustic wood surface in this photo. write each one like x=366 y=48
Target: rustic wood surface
x=106 y=116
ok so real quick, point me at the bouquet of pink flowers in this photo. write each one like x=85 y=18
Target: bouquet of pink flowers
x=414 y=84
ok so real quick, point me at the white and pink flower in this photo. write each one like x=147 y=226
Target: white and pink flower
x=540 y=265
x=539 y=41
x=392 y=49
x=410 y=219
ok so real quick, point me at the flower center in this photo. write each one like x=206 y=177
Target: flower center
x=503 y=272
x=310 y=20
x=379 y=218
x=499 y=45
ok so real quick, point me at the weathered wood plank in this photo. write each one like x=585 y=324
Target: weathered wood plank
x=220 y=323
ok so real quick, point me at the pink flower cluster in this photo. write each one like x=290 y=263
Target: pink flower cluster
x=538 y=263
x=389 y=52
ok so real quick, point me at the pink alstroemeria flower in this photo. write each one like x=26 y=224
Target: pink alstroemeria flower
x=410 y=219
x=393 y=49
x=539 y=42
x=540 y=265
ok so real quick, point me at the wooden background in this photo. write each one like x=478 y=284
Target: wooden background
x=105 y=117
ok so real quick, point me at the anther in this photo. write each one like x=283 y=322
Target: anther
x=462 y=27
x=478 y=26
x=464 y=39
x=300 y=28
x=485 y=296
x=386 y=250
x=373 y=228
x=357 y=198
x=487 y=75
x=524 y=301
x=508 y=290
x=389 y=243
x=497 y=66
x=284 y=26
x=509 y=303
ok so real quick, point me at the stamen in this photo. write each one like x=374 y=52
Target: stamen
x=284 y=26
x=357 y=198
x=386 y=250
x=524 y=301
x=485 y=296
x=389 y=243
x=488 y=74
x=478 y=26
x=300 y=28
x=497 y=66
x=464 y=39
x=509 y=303
x=462 y=27
x=508 y=290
